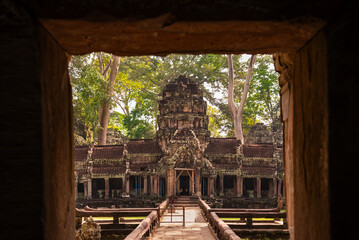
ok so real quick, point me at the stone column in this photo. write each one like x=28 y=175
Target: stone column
x=107 y=188
x=89 y=188
x=155 y=185
x=127 y=180
x=85 y=190
x=275 y=187
x=145 y=185
x=192 y=180
x=197 y=177
x=76 y=190
x=170 y=186
x=211 y=186
x=239 y=186
x=123 y=188
x=221 y=185
x=258 y=187
x=151 y=185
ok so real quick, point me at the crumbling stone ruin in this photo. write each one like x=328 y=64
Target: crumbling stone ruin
x=183 y=159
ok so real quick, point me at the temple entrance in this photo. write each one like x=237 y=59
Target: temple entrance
x=184 y=186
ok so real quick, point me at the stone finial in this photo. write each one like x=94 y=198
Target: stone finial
x=89 y=230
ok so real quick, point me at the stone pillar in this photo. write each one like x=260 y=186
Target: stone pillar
x=197 y=177
x=279 y=187
x=85 y=190
x=123 y=188
x=155 y=185
x=170 y=185
x=127 y=182
x=258 y=187
x=239 y=186
x=151 y=185
x=192 y=181
x=145 y=185
x=211 y=186
x=89 y=188
x=221 y=185
x=76 y=190
x=107 y=188
x=275 y=187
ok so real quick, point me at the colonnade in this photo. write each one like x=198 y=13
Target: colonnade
x=143 y=185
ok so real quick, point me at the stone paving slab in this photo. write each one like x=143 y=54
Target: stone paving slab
x=196 y=227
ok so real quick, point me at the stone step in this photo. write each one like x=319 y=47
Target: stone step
x=185 y=205
x=185 y=201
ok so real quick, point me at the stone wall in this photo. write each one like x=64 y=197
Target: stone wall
x=29 y=160
x=310 y=141
x=20 y=125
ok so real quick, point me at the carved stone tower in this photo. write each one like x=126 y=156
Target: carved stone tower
x=183 y=136
x=182 y=107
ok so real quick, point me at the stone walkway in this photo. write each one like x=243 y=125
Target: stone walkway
x=196 y=227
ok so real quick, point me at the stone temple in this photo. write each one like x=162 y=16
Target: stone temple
x=184 y=160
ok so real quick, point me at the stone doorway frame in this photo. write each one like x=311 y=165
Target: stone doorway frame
x=190 y=172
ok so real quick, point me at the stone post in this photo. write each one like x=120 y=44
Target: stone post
x=76 y=189
x=192 y=181
x=107 y=188
x=155 y=185
x=239 y=186
x=127 y=182
x=211 y=186
x=275 y=187
x=145 y=185
x=258 y=187
x=85 y=190
x=170 y=186
x=221 y=185
x=197 y=177
x=151 y=185
x=89 y=188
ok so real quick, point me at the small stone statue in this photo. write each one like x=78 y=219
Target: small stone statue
x=89 y=230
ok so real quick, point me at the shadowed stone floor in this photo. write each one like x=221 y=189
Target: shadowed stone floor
x=196 y=227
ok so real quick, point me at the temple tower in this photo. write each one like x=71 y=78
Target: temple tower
x=182 y=107
x=183 y=136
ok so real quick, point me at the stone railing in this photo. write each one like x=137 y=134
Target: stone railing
x=145 y=228
x=222 y=230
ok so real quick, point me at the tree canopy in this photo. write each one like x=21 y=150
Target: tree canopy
x=140 y=80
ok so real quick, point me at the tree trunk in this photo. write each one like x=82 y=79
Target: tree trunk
x=237 y=111
x=104 y=110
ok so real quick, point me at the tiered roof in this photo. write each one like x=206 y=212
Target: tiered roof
x=263 y=150
x=222 y=146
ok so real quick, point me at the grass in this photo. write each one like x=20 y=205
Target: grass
x=254 y=219
x=110 y=218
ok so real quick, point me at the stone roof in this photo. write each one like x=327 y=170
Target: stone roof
x=222 y=146
x=107 y=152
x=109 y=170
x=81 y=153
x=258 y=150
x=143 y=146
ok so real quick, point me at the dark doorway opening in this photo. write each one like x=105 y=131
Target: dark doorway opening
x=115 y=187
x=249 y=186
x=98 y=188
x=184 y=185
x=265 y=187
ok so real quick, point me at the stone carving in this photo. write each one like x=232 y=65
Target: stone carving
x=89 y=230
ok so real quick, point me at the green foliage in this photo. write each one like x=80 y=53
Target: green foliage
x=141 y=79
